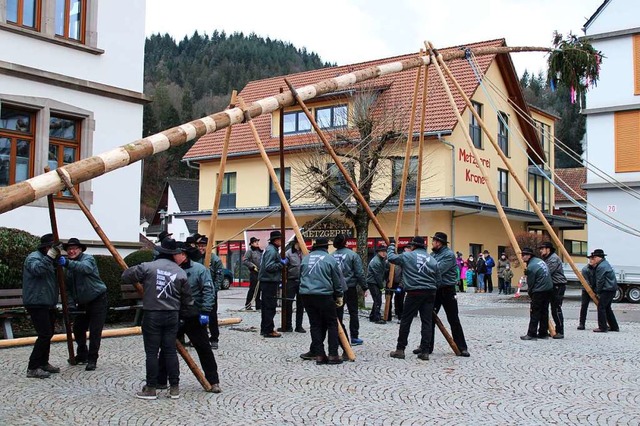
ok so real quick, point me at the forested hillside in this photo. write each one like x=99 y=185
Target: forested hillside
x=195 y=77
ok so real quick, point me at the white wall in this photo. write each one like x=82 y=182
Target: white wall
x=617 y=15
x=615 y=86
x=177 y=226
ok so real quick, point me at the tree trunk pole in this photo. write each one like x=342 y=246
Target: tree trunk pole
x=285 y=308
x=403 y=187
x=61 y=280
x=361 y=200
x=522 y=187
x=483 y=171
x=219 y=181
x=181 y=350
x=344 y=342
x=423 y=113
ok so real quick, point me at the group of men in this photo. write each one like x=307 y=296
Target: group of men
x=546 y=285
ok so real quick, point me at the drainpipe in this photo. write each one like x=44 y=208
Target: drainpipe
x=189 y=165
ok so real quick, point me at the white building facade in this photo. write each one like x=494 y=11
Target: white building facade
x=613 y=127
x=71 y=82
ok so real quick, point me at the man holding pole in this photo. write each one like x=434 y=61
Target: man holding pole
x=251 y=260
x=353 y=272
x=165 y=289
x=377 y=272
x=603 y=277
x=446 y=293
x=270 y=277
x=88 y=294
x=554 y=263
x=40 y=296
x=215 y=269
x=420 y=277
x=540 y=289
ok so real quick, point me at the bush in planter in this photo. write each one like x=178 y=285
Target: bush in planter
x=15 y=246
x=138 y=257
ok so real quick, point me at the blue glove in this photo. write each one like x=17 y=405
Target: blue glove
x=204 y=319
x=284 y=261
x=62 y=261
x=399 y=290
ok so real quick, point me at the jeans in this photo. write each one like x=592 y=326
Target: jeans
x=323 y=320
x=269 y=303
x=351 y=300
x=293 y=286
x=376 y=295
x=253 y=283
x=43 y=320
x=446 y=297
x=605 y=313
x=539 y=314
x=159 y=330
x=197 y=334
x=213 y=322
x=417 y=301
x=93 y=320
x=480 y=281
x=556 y=307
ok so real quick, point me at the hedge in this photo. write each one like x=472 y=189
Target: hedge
x=15 y=246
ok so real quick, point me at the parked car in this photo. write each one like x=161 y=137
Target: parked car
x=227 y=279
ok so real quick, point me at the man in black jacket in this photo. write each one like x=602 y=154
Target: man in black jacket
x=270 y=277
x=377 y=273
x=251 y=260
x=603 y=277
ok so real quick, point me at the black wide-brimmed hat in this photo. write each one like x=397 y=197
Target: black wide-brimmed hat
x=419 y=241
x=597 y=253
x=253 y=240
x=547 y=244
x=381 y=247
x=275 y=235
x=321 y=243
x=440 y=236
x=164 y=234
x=169 y=246
x=339 y=241
x=202 y=240
x=74 y=242
x=528 y=250
x=46 y=241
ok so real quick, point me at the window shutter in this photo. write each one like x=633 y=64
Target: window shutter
x=636 y=64
x=627 y=141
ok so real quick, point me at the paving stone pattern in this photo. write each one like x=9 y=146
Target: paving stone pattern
x=586 y=378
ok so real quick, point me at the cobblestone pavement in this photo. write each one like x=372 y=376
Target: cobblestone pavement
x=586 y=378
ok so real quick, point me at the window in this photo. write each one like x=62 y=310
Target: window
x=296 y=122
x=337 y=183
x=540 y=189
x=475 y=250
x=70 y=19
x=544 y=133
x=274 y=199
x=332 y=117
x=474 y=127
x=576 y=248
x=25 y=13
x=636 y=64
x=627 y=141
x=17 y=141
x=503 y=132
x=64 y=144
x=228 y=196
x=396 y=179
x=503 y=187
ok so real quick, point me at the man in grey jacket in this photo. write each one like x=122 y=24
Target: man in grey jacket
x=166 y=289
x=252 y=259
x=377 y=272
x=270 y=277
x=321 y=291
x=540 y=288
x=554 y=263
x=88 y=294
x=420 y=277
x=351 y=266
x=215 y=269
x=294 y=259
x=603 y=277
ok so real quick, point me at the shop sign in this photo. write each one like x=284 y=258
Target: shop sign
x=327 y=228
x=471 y=175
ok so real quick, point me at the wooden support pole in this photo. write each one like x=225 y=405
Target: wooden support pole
x=181 y=350
x=403 y=187
x=285 y=307
x=344 y=342
x=213 y=222
x=423 y=113
x=483 y=171
x=61 y=280
x=360 y=198
x=523 y=188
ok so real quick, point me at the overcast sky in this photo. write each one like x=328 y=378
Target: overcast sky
x=350 y=31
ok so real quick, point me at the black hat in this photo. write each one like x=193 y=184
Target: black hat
x=163 y=235
x=253 y=240
x=528 y=250
x=381 y=247
x=440 y=236
x=169 y=246
x=597 y=253
x=192 y=239
x=202 y=240
x=276 y=235
x=339 y=241
x=419 y=241
x=46 y=241
x=485 y=252
x=320 y=242
x=547 y=244
x=74 y=242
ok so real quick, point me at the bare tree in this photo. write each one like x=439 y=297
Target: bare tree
x=372 y=150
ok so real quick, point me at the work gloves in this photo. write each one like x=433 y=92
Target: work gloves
x=53 y=252
x=204 y=319
x=63 y=261
x=284 y=261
